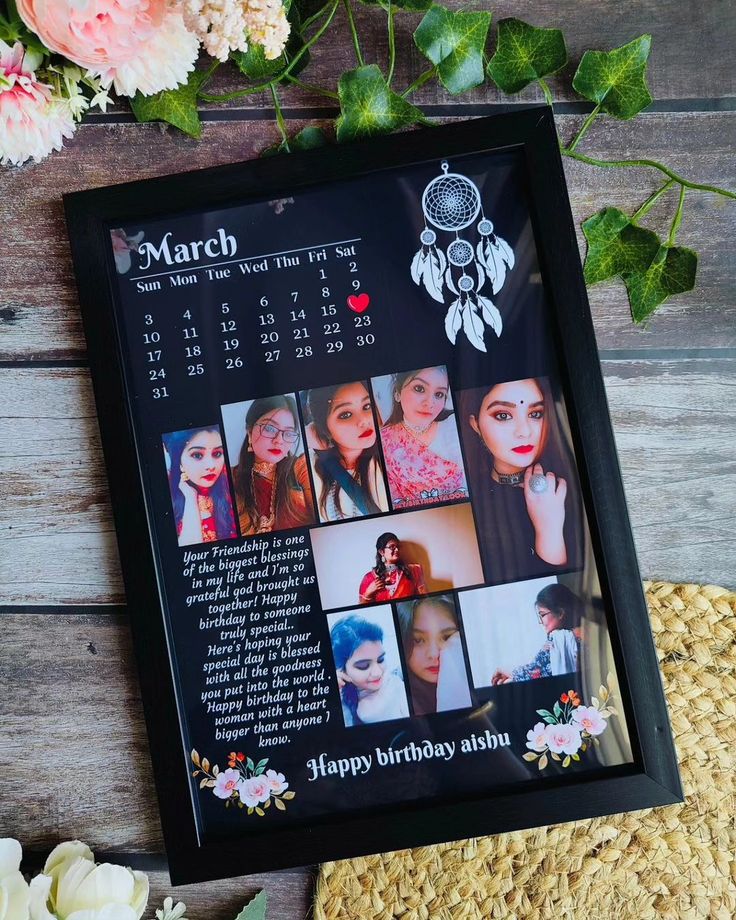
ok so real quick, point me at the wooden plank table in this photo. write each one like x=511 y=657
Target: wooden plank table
x=71 y=710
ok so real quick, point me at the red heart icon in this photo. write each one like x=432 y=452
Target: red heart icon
x=358 y=303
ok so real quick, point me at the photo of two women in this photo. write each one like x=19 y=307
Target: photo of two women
x=377 y=682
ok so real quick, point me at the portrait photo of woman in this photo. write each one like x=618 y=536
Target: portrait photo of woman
x=523 y=480
x=420 y=441
x=523 y=631
x=367 y=666
x=271 y=480
x=391 y=577
x=433 y=651
x=199 y=487
x=343 y=449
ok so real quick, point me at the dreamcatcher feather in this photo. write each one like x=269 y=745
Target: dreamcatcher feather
x=451 y=202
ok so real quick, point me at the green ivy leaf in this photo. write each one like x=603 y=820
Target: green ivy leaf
x=454 y=42
x=672 y=271
x=616 y=246
x=524 y=54
x=368 y=106
x=616 y=80
x=177 y=107
x=306 y=139
x=255 y=909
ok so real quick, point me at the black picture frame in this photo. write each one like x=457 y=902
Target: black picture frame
x=652 y=779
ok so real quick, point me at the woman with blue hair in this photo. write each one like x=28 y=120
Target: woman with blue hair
x=368 y=691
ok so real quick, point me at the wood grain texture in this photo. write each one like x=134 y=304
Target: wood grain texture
x=39 y=316
x=674 y=423
x=678 y=67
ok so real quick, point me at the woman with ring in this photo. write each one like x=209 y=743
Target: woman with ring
x=520 y=477
x=272 y=485
x=559 y=610
x=348 y=474
x=391 y=578
x=420 y=442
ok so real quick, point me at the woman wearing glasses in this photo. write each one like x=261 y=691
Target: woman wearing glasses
x=391 y=578
x=559 y=610
x=272 y=485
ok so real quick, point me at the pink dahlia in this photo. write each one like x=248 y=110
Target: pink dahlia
x=136 y=45
x=33 y=122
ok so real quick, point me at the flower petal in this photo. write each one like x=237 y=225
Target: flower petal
x=106 y=912
x=10 y=856
x=40 y=888
x=139 y=901
x=107 y=884
x=70 y=877
x=14 y=897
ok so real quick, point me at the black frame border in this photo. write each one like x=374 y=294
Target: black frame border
x=653 y=778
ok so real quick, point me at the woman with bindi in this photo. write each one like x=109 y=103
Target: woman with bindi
x=272 y=485
x=519 y=480
x=420 y=442
x=198 y=483
x=346 y=464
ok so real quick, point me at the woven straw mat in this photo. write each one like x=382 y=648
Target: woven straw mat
x=673 y=862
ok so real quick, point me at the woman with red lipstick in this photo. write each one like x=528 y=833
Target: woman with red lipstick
x=369 y=692
x=272 y=486
x=348 y=473
x=420 y=442
x=390 y=578
x=200 y=493
x=430 y=633
x=520 y=467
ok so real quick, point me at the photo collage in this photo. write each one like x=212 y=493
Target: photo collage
x=446 y=526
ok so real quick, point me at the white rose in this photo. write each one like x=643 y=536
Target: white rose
x=72 y=887
x=14 y=892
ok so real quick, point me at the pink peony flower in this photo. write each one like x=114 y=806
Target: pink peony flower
x=137 y=45
x=33 y=121
x=536 y=739
x=589 y=720
x=277 y=782
x=255 y=791
x=227 y=783
x=563 y=739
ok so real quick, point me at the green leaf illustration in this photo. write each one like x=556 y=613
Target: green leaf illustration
x=616 y=80
x=672 y=271
x=177 y=107
x=454 y=42
x=616 y=246
x=255 y=909
x=524 y=54
x=368 y=106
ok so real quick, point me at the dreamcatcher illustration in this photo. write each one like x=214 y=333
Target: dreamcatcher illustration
x=451 y=203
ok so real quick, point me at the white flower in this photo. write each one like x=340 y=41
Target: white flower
x=536 y=739
x=563 y=738
x=14 y=892
x=588 y=719
x=33 y=121
x=72 y=887
x=277 y=782
x=228 y=25
x=267 y=25
x=171 y=911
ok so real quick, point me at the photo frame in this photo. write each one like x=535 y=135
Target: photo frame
x=383 y=349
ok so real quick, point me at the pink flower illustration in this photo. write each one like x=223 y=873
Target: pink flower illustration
x=33 y=122
x=536 y=739
x=563 y=739
x=588 y=719
x=139 y=45
x=227 y=783
x=255 y=791
x=277 y=782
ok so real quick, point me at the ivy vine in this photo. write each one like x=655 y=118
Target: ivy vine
x=455 y=45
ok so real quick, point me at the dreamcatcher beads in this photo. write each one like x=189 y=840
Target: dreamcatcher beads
x=451 y=203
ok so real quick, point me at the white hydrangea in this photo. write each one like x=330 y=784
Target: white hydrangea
x=228 y=25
